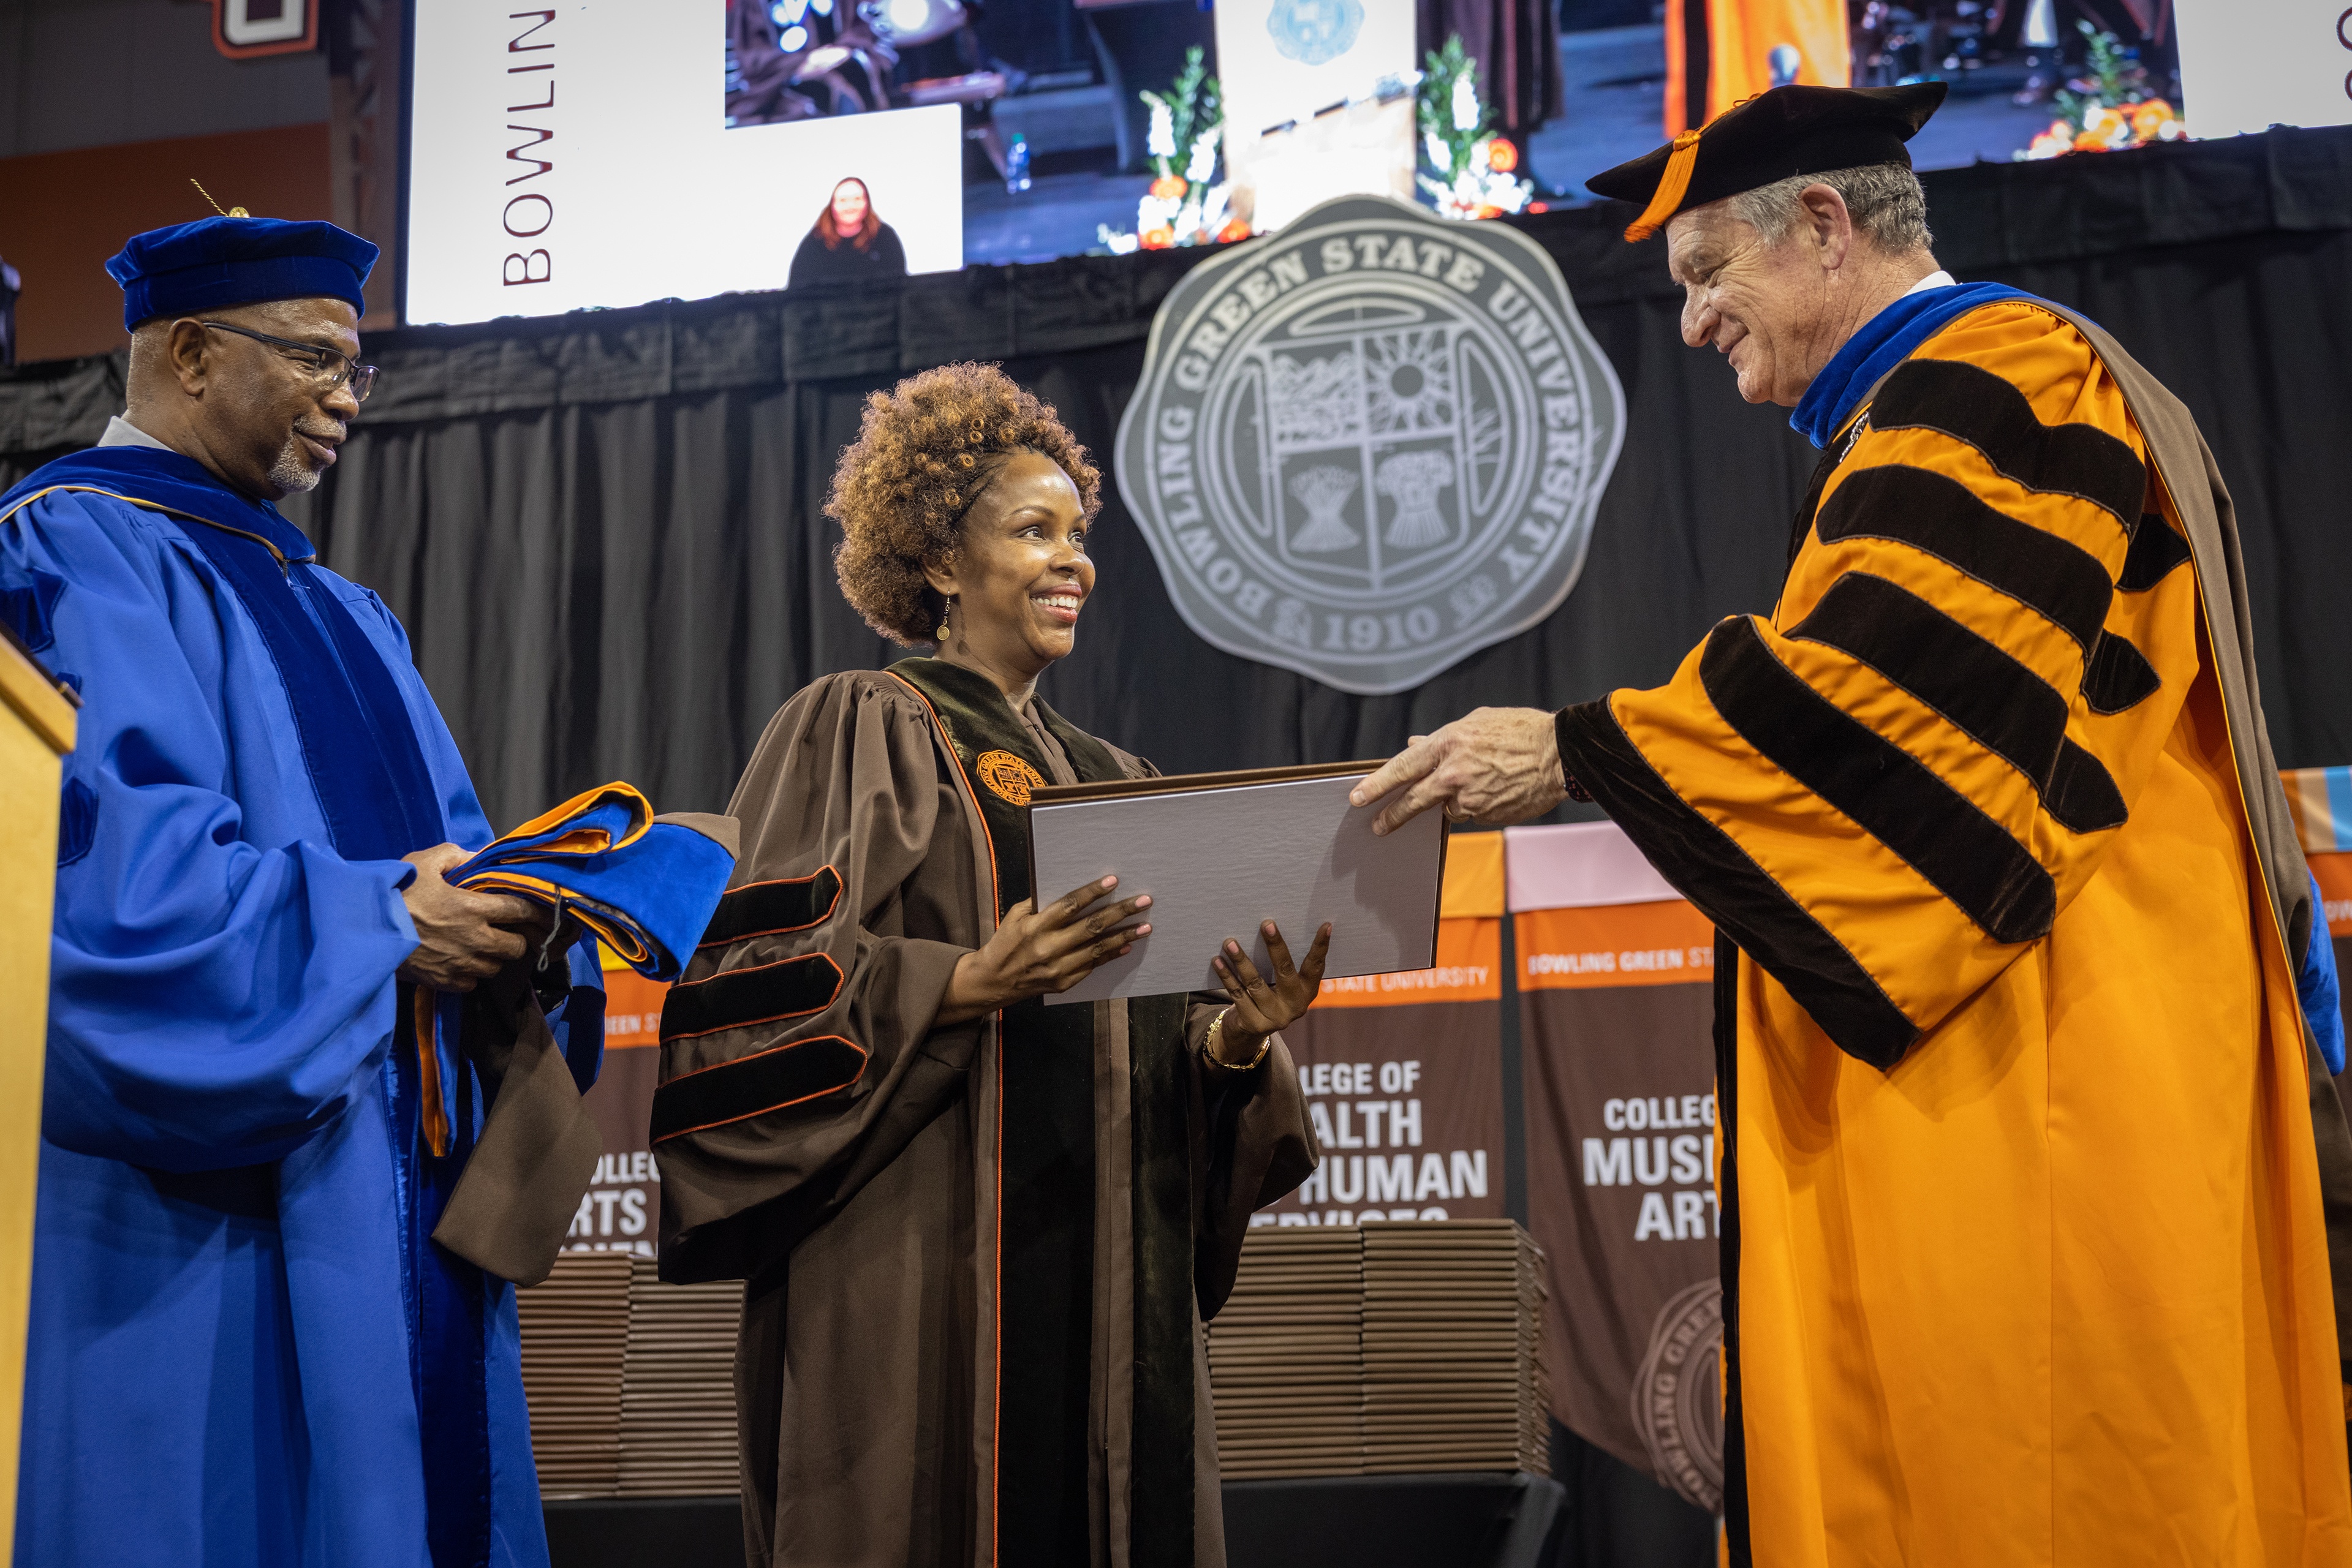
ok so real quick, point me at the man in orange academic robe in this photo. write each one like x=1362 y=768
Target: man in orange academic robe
x=2029 y=1156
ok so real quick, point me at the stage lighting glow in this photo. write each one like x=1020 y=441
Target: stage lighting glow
x=905 y=22
x=793 y=40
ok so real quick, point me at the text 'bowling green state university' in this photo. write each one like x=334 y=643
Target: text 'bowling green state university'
x=1370 y=445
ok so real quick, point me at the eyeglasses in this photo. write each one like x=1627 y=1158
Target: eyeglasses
x=333 y=368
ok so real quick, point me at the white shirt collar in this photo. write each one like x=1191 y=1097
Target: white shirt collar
x=120 y=432
x=1938 y=278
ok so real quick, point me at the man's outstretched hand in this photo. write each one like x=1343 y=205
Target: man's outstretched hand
x=1499 y=765
x=462 y=939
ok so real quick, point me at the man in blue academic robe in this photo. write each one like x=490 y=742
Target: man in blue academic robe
x=246 y=1348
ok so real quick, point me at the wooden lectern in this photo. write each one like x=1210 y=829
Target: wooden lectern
x=36 y=729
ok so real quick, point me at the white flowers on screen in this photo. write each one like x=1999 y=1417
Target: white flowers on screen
x=1204 y=157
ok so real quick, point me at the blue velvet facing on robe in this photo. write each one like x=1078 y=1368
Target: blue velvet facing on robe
x=1885 y=342
x=236 y=1315
x=648 y=888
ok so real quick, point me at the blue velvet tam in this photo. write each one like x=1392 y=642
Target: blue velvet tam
x=214 y=263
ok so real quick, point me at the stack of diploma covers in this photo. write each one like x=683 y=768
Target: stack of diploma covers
x=575 y=1327
x=678 y=1387
x=1453 y=1377
x=631 y=1382
x=1286 y=1355
x=1404 y=1347
x=1220 y=852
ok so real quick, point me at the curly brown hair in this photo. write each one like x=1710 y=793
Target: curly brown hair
x=924 y=451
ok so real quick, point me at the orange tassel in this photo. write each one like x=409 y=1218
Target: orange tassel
x=435 y=1115
x=1671 y=187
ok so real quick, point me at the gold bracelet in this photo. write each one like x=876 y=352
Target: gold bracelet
x=1216 y=1033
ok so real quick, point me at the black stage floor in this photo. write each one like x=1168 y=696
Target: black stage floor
x=1487 y=1520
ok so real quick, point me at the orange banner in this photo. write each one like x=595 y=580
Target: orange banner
x=633 y=1007
x=1469 y=969
x=2333 y=873
x=1662 y=944
x=1473 y=876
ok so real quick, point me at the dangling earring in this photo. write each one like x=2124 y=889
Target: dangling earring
x=948 y=603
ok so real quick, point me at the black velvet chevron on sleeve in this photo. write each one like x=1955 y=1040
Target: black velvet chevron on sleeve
x=2001 y=704
x=773 y=908
x=753 y=1085
x=1707 y=866
x=2118 y=675
x=1928 y=511
x=1996 y=701
x=2156 y=552
x=756 y=993
x=1972 y=404
x=1896 y=799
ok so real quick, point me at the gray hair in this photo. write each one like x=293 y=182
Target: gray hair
x=1884 y=198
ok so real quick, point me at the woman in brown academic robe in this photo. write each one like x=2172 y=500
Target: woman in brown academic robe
x=980 y=1235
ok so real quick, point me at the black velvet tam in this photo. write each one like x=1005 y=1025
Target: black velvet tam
x=1787 y=132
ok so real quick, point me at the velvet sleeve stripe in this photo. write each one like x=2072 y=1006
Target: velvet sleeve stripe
x=1972 y=404
x=1710 y=868
x=2001 y=704
x=2082 y=794
x=761 y=993
x=2156 y=550
x=1994 y=700
x=773 y=908
x=1941 y=833
x=2119 y=676
x=754 y=1085
x=2065 y=585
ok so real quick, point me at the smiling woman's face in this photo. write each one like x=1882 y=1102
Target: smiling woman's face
x=848 y=206
x=1021 y=575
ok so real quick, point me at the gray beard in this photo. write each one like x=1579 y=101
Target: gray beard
x=292 y=473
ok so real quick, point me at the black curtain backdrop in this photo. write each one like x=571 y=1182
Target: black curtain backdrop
x=603 y=530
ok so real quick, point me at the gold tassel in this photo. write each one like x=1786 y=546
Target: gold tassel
x=1672 y=185
x=207 y=195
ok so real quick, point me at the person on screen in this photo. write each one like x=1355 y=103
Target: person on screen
x=971 y=1224
x=848 y=243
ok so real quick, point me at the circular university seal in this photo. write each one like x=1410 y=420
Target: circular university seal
x=1370 y=445
x=1008 y=776
x=1677 y=1398
x=1315 y=32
